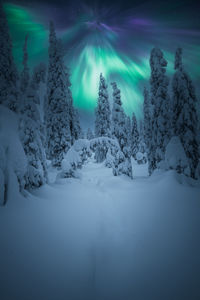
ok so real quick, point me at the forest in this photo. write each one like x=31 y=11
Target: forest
x=101 y=212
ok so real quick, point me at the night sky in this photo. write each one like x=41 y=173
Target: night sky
x=111 y=37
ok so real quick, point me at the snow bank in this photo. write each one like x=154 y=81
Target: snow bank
x=12 y=156
x=103 y=237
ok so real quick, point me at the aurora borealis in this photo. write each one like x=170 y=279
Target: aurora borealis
x=111 y=38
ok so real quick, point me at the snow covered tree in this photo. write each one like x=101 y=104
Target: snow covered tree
x=24 y=78
x=8 y=72
x=147 y=111
x=31 y=129
x=39 y=73
x=135 y=137
x=75 y=127
x=128 y=130
x=142 y=155
x=185 y=117
x=147 y=120
x=122 y=163
x=102 y=112
x=76 y=131
x=90 y=134
x=142 y=146
x=161 y=125
x=39 y=79
x=118 y=118
x=32 y=140
x=57 y=109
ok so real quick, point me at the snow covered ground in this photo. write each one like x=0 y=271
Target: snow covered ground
x=102 y=237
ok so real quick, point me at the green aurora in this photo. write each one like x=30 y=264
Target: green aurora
x=94 y=55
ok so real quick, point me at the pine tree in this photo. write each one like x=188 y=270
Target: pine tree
x=57 y=108
x=135 y=137
x=184 y=112
x=128 y=134
x=147 y=118
x=24 y=78
x=161 y=127
x=31 y=129
x=147 y=111
x=39 y=79
x=39 y=73
x=75 y=127
x=122 y=162
x=8 y=72
x=142 y=155
x=128 y=130
x=102 y=113
x=32 y=140
x=118 y=118
x=90 y=134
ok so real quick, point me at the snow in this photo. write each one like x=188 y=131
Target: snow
x=139 y=170
x=102 y=237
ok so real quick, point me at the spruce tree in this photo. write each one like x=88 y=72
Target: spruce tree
x=31 y=128
x=75 y=127
x=118 y=118
x=161 y=126
x=122 y=161
x=39 y=73
x=39 y=79
x=102 y=112
x=142 y=146
x=8 y=72
x=128 y=134
x=24 y=78
x=57 y=108
x=147 y=111
x=135 y=137
x=76 y=131
x=147 y=118
x=185 y=117
x=90 y=135
x=128 y=130
x=33 y=140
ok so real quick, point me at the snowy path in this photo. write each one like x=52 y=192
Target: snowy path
x=102 y=237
